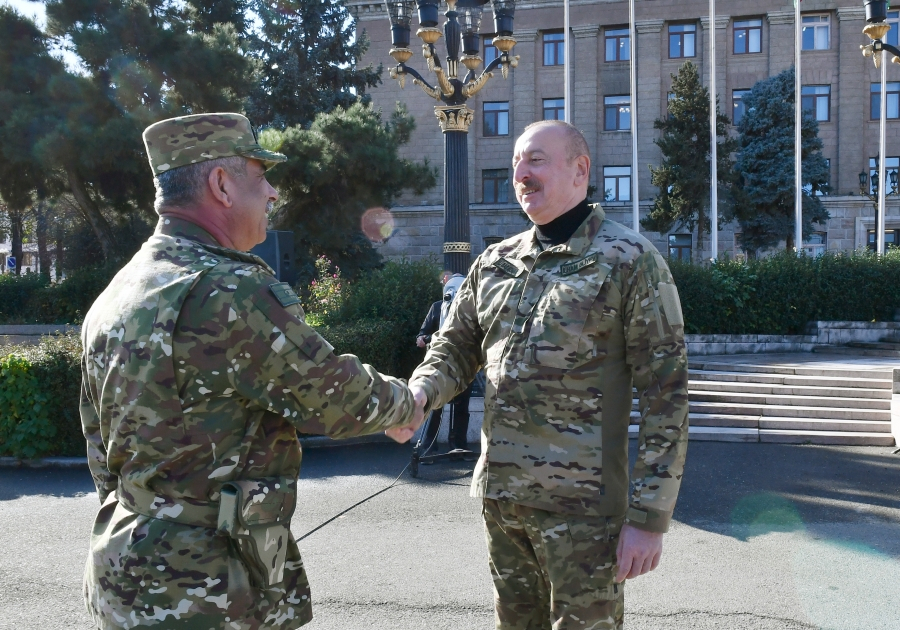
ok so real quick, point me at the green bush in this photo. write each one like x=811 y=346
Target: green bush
x=779 y=295
x=398 y=296
x=40 y=388
x=31 y=299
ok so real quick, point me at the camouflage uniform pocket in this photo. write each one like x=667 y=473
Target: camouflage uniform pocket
x=593 y=556
x=556 y=337
x=256 y=515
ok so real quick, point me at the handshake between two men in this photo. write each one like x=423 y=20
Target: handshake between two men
x=404 y=433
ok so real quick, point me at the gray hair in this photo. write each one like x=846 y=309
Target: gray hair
x=182 y=187
x=576 y=145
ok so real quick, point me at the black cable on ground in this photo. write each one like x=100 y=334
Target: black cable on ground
x=371 y=496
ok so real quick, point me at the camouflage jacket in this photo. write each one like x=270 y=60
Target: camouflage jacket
x=199 y=369
x=563 y=334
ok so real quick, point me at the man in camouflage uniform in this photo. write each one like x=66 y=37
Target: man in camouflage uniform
x=199 y=370
x=565 y=317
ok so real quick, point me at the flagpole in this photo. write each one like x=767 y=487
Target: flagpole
x=798 y=147
x=882 y=159
x=632 y=50
x=567 y=66
x=713 y=148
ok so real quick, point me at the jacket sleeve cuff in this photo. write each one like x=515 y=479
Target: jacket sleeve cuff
x=427 y=386
x=648 y=520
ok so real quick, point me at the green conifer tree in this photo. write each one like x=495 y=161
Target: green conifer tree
x=764 y=204
x=684 y=175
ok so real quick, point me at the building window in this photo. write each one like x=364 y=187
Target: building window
x=893 y=18
x=496 y=119
x=681 y=40
x=893 y=100
x=617 y=183
x=554 y=109
x=617 y=113
x=814 y=32
x=891 y=239
x=554 y=49
x=892 y=163
x=491 y=240
x=815 y=244
x=490 y=51
x=737 y=106
x=618 y=45
x=495 y=185
x=680 y=246
x=747 y=37
x=817 y=99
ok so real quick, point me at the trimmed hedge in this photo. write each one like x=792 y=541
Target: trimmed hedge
x=31 y=299
x=779 y=295
x=40 y=388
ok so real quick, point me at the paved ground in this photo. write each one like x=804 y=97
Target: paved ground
x=768 y=537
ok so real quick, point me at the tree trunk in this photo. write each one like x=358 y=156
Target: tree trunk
x=700 y=225
x=15 y=228
x=59 y=251
x=91 y=212
x=789 y=242
x=41 y=233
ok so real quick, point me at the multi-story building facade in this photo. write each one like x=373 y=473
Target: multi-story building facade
x=753 y=42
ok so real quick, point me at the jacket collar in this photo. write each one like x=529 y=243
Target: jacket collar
x=173 y=226
x=577 y=245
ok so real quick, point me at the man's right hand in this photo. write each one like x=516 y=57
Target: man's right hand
x=420 y=341
x=404 y=433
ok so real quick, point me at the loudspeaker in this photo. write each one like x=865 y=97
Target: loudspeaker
x=278 y=251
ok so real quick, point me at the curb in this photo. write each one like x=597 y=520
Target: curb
x=316 y=441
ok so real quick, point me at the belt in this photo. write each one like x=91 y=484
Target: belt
x=148 y=503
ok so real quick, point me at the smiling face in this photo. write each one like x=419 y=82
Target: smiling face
x=252 y=197
x=548 y=183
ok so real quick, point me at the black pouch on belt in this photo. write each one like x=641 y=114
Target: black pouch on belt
x=256 y=515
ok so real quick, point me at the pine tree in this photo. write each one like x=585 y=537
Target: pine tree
x=309 y=62
x=345 y=163
x=683 y=178
x=765 y=207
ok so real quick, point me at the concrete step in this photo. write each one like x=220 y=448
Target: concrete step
x=847 y=438
x=856 y=352
x=740 y=398
x=713 y=434
x=748 y=368
x=824 y=424
x=738 y=387
x=863 y=382
x=790 y=411
x=723 y=420
x=883 y=345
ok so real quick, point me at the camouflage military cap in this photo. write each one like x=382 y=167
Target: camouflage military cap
x=190 y=139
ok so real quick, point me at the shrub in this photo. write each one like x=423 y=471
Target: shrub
x=779 y=295
x=399 y=294
x=31 y=299
x=40 y=388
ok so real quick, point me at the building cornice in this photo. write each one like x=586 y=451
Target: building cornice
x=722 y=21
x=780 y=17
x=587 y=30
x=848 y=14
x=648 y=26
x=368 y=10
x=525 y=35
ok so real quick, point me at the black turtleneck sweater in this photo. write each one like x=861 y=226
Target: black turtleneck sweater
x=561 y=229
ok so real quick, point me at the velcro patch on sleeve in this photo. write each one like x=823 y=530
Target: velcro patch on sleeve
x=284 y=294
x=668 y=295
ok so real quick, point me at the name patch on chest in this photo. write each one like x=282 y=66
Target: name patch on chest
x=507 y=267
x=578 y=265
x=284 y=294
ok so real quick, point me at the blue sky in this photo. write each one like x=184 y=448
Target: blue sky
x=31 y=9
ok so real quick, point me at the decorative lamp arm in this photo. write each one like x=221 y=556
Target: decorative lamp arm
x=399 y=72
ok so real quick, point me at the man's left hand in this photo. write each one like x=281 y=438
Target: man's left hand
x=638 y=552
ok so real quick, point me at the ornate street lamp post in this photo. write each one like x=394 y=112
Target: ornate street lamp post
x=876 y=28
x=460 y=31
x=874 y=196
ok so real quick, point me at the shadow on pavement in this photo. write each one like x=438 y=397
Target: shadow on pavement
x=745 y=490
x=54 y=482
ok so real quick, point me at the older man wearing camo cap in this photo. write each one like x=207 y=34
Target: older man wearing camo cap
x=198 y=371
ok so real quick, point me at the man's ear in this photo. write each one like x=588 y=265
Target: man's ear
x=219 y=186
x=582 y=170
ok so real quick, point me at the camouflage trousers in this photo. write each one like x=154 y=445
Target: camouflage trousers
x=553 y=570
